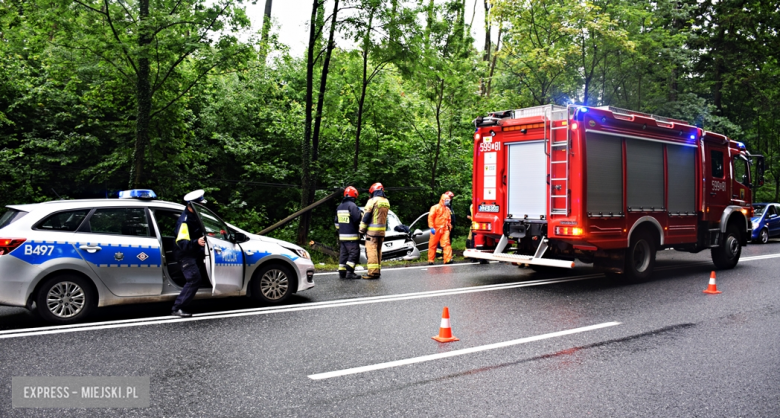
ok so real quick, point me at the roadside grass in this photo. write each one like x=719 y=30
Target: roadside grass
x=324 y=263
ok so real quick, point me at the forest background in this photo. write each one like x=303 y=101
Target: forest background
x=98 y=96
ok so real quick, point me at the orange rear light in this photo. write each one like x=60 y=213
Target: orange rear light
x=568 y=230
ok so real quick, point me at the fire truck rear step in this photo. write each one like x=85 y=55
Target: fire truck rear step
x=536 y=259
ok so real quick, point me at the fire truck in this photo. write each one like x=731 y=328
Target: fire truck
x=607 y=186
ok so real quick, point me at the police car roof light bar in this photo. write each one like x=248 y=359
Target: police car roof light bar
x=137 y=194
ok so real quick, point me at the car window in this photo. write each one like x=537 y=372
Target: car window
x=758 y=209
x=68 y=221
x=166 y=222
x=120 y=221
x=10 y=216
x=716 y=158
x=214 y=226
x=770 y=210
x=392 y=221
x=741 y=170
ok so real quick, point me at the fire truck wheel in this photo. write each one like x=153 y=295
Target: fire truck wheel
x=640 y=257
x=727 y=254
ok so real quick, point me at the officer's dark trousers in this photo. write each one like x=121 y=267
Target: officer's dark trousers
x=349 y=254
x=189 y=267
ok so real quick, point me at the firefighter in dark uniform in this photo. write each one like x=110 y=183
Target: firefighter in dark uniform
x=373 y=225
x=348 y=225
x=189 y=251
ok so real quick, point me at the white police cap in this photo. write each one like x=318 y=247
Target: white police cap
x=196 y=196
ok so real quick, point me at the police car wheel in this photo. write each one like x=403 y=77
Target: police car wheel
x=273 y=284
x=65 y=299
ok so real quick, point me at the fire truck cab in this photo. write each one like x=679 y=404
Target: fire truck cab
x=607 y=186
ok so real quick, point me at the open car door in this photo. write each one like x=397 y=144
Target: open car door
x=224 y=258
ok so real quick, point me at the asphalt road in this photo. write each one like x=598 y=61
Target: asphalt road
x=566 y=344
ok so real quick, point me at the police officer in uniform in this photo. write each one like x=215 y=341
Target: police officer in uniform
x=348 y=224
x=373 y=225
x=189 y=252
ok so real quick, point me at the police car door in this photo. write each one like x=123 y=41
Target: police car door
x=121 y=248
x=224 y=259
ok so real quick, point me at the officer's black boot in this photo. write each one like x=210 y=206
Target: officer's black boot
x=342 y=274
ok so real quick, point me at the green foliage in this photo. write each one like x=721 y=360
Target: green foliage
x=229 y=117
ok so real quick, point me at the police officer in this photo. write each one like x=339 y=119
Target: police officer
x=348 y=224
x=373 y=225
x=189 y=252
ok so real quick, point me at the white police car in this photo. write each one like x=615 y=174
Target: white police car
x=71 y=256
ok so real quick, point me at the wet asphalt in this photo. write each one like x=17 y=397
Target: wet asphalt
x=676 y=351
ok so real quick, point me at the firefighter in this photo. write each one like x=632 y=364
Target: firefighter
x=440 y=222
x=373 y=225
x=348 y=224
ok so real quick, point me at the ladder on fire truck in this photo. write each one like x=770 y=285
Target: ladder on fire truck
x=558 y=146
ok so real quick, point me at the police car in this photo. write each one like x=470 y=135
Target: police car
x=71 y=256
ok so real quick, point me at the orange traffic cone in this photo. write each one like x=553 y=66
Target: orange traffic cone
x=445 y=332
x=712 y=289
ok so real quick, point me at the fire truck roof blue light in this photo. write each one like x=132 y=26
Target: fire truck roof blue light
x=693 y=136
x=584 y=109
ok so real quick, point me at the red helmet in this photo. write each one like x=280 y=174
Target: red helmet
x=351 y=192
x=450 y=194
x=376 y=186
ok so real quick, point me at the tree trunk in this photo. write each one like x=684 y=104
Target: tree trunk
x=265 y=31
x=440 y=98
x=487 y=31
x=143 y=99
x=493 y=63
x=307 y=186
x=364 y=87
x=323 y=83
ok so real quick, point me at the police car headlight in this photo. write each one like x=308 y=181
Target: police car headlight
x=302 y=253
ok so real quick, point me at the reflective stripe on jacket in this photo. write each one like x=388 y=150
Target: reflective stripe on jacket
x=375 y=219
x=348 y=220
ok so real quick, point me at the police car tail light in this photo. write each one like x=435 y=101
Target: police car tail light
x=9 y=244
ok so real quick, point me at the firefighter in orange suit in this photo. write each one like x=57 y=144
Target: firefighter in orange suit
x=373 y=225
x=440 y=222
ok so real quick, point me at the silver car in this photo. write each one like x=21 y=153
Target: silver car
x=69 y=257
x=400 y=245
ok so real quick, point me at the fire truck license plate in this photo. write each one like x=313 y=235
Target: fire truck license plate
x=488 y=208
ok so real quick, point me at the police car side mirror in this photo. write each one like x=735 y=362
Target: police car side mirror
x=238 y=237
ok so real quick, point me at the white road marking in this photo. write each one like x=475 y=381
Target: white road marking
x=125 y=323
x=410 y=268
x=430 y=357
x=61 y=329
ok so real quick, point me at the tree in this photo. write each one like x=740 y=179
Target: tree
x=149 y=48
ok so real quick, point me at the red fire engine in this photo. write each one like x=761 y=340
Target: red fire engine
x=606 y=186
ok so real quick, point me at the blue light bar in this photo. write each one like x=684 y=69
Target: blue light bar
x=693 y=136
x=741 y=145
x=584 y=109
x=137 y=194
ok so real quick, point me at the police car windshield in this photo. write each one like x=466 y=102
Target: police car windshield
x=10 y=216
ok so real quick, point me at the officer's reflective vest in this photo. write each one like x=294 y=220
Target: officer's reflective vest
x=348 y=220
